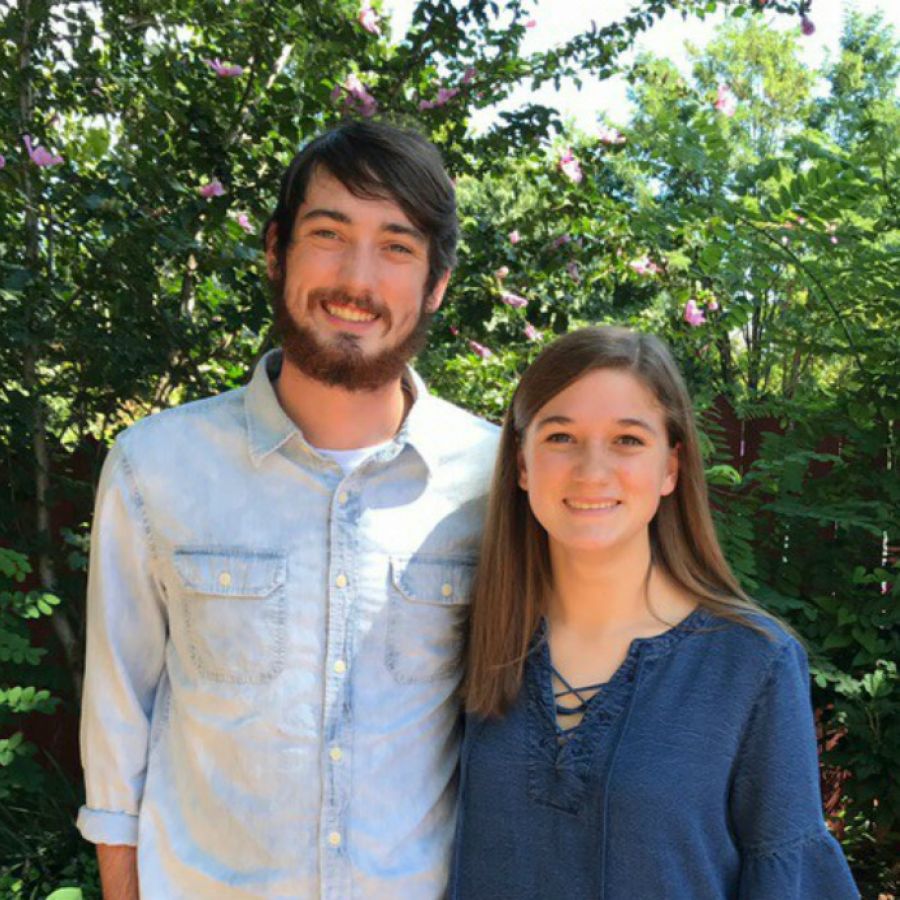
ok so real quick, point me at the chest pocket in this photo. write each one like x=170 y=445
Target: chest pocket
x=427 y=611
x=233 y=604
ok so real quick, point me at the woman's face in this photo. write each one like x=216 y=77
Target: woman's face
x=595 y=461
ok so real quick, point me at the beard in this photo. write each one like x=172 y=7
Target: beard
x=342 y=363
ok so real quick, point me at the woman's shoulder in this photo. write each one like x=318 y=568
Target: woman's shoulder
x=750 y=640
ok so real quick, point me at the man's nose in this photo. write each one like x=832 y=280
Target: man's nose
x=359 y=271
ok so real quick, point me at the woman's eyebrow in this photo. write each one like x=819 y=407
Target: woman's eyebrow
x=637 y=423
x=552 y=420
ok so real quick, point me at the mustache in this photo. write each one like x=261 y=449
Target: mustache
x=365 y=302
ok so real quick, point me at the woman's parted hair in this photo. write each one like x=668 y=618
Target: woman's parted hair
x=514 y=575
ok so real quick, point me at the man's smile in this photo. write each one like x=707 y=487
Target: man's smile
x=349 y=312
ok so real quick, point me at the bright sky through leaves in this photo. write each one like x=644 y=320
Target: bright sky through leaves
x=557 y=22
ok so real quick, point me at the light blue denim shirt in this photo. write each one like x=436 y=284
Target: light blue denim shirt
x=272 y=651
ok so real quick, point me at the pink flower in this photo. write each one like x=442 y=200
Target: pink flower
x=513 y=300
x=469 y=75
x=807 y=26
x=610 y=136
x=514 y=237
x=454 y=331
x=211 y=189
x=39 y=156
x=532 y=333
x=693 y=315
x=726 y=102
x=369 y=19
x=801 y=220
x=570 y=166
x=561 y=241
x=833 y=239
x=244 y=222
x=357 y=97
x=444 y=95
x=785 y=240
x=480 y=350
x=224 y=70
x=713 y=305
x=531 y=23
x=2 y=161
x=502 y=272
x=644 y=266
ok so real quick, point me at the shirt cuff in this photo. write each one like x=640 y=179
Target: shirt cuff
x=100 y=826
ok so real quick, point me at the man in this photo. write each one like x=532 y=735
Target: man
x=279 y=574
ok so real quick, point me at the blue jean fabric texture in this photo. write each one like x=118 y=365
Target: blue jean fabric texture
x=693 y=776
x=273 y=651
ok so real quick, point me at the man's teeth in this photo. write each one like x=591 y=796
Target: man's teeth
x=607 y=504
x=349 y=313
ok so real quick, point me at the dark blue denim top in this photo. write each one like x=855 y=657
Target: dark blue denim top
x=693 y=775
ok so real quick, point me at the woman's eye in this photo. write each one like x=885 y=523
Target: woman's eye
x=629 y=440
x=558 y=437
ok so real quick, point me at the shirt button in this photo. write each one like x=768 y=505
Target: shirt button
x=340 y=667
x=336 y=754
x=343 y=498
x=447 y=590
x=225 y=579
x=341 y=580
x=334 y=839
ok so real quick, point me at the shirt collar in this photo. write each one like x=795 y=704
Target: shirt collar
x=269 y=427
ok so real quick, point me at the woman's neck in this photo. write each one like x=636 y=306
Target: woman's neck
x=622 y=593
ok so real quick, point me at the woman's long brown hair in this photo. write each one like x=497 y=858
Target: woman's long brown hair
x=514 y=576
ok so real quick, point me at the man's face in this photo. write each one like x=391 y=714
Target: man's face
x=351 y=304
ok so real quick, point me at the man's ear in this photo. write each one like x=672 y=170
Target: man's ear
x=436 y=297
x=272 y=266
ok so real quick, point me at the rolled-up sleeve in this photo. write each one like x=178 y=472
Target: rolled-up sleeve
x=126 y=637
x=776 y=807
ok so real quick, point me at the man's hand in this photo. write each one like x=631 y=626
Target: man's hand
x=118 y=871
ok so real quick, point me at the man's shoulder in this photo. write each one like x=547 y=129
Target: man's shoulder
x=461 y=424
x=208 y=418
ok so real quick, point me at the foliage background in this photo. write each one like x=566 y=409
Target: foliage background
x=125 y=290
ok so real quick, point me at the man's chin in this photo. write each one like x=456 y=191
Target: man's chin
x=342 y=363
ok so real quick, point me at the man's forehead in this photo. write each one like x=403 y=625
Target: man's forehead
x=323 y=184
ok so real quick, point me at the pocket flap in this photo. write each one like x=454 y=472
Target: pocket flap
x=425 y=580
x=230 y=572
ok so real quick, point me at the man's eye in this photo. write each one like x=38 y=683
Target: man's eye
x=327 y=233
x=399 y=248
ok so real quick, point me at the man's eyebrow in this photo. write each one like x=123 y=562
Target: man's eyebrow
x=337 y=216
x=320 y=213
x=398 y=228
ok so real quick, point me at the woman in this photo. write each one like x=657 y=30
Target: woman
x=637 y=729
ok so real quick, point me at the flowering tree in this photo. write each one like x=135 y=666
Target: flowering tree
x=131 y=274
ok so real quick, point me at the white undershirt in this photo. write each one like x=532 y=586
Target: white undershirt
x=348 y=460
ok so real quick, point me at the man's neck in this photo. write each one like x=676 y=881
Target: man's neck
x=334 y=418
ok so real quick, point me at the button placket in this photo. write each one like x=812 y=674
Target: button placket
x=339 y=643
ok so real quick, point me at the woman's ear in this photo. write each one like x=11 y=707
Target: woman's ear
x=523 y=472
x=671 y=479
